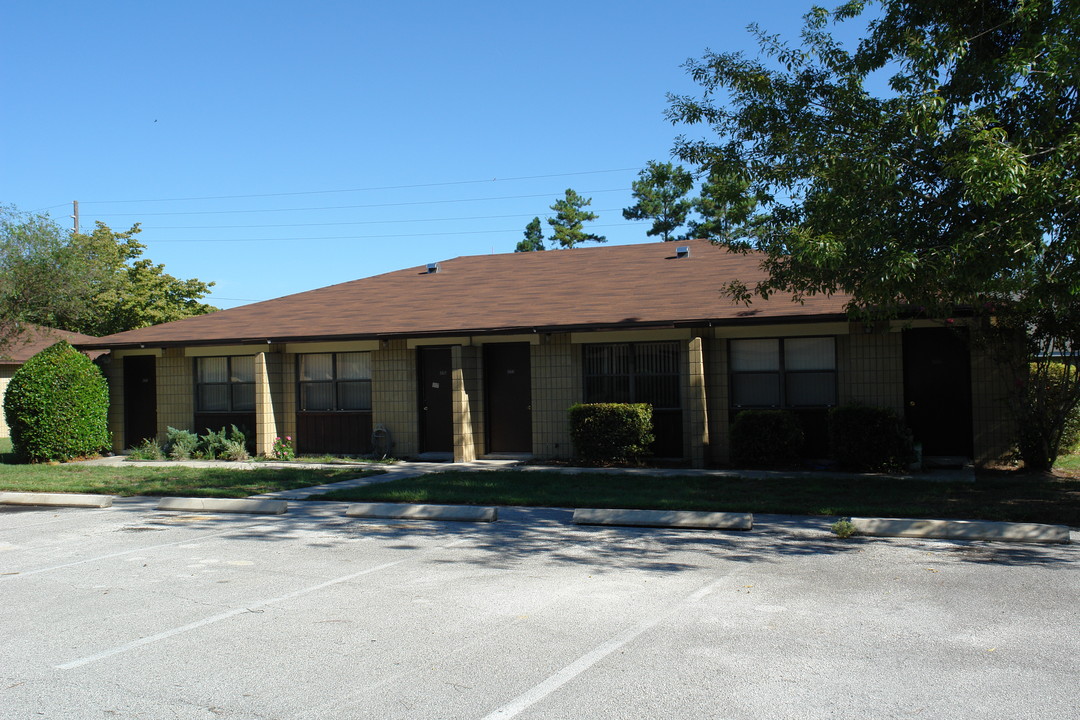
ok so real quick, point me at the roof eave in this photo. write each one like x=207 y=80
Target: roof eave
x=469 y=332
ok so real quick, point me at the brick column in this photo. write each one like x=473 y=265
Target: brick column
x=265 y=417
x=695 y=412
x=460 y=366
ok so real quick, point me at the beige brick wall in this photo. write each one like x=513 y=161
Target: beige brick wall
x=281 y=367
x=468 y=403
x=265 y=418
x=175 y=391
x=556 y=385
x=716 y=391
x=6 y=371
x=993 y=422
x=870 y=369
x=694 y=403
x=393 y=396
x=114 y=375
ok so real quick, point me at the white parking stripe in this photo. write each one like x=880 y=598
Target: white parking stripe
x=238 y=611
x=586 y=661
x=136 y=550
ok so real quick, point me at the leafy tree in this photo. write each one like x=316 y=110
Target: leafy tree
x=42 y=277
x=57 y=405
x=569 y=221
x=956 y=186
x=96 y=283
x=722 y=207
x=660 y=191
x=132 y=291
x=534 y=237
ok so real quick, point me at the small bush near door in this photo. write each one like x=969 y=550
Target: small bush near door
x=765 y=438
x=606 y=432
x=869 y=439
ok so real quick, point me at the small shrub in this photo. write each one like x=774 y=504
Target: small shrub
x=148 y=449
x=211 y=445
x=283 y=449
x=869 y=439
x=765 y=438
x=843 y=528
x=606 y=432
x=217 y=444
x=234 y=450
x=181 y=444
x=57 y=406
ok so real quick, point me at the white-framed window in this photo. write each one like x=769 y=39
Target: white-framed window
x=334 y=382
x=783 y=372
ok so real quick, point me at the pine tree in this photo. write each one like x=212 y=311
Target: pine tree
x=569 y=221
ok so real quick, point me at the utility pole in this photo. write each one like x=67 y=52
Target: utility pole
x=75 y=217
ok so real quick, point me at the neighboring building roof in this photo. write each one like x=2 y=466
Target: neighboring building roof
x=617 y=286
x=36 y=338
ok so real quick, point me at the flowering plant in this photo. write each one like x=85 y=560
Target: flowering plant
x=283 y=449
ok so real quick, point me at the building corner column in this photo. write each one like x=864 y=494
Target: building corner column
x=464 y=446
x=265 y=418
x=697 y=419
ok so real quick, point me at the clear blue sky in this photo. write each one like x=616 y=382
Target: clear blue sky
x=276 y=147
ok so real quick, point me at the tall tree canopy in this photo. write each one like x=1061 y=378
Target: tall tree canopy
x=534 y=237
x=953 y=185
x=660 y=192
x=96 y=283
x=568 y=223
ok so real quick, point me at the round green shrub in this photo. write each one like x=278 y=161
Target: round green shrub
x=57 y=406
x=766 y=438
x=607 y=432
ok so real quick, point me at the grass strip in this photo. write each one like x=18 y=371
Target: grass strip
x=221 y=482
x=996 y=496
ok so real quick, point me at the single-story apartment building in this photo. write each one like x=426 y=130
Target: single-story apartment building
x=25 y=344
x=483 y=355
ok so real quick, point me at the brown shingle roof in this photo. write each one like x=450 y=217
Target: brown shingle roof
x=36 y=338
x=594 y=287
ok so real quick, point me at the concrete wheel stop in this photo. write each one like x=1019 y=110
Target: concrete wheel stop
x=225 y=505
x=56 y=499
x=961 y=530
x=665 y=518
x=402 y=511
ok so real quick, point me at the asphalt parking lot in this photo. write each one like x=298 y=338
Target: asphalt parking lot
x=128 y=612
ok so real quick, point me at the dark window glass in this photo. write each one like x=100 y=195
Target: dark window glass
x=335 y=382
x=225 y=384
x=633 y=372
x=783 y=372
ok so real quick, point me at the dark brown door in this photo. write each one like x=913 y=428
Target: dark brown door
x=937 y=390
x=509 y=397
x=436 y=400
x=140 y=399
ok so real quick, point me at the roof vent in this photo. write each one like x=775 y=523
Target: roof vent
x=682 y=252
x=432 y=268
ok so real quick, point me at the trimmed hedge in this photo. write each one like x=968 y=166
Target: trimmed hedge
x=605 y=432
x=765 y=438
x=57 y=406
x=869 y=439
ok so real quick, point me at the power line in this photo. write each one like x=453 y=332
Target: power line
x=359 y=237
x=359 y=222
x=352 y=207
x=366 y=189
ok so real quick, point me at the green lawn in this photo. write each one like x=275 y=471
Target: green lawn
x=1071 y=463
x=996 y=496
x=135 y=479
